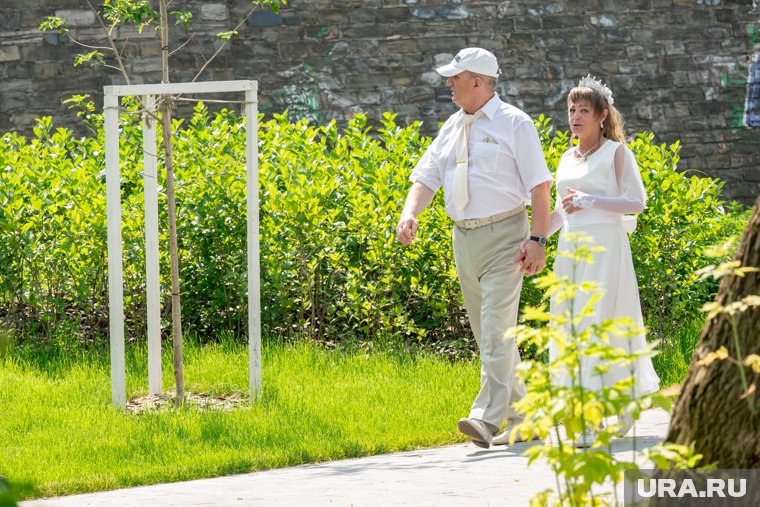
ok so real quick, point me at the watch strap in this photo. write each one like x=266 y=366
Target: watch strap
x=538 y=239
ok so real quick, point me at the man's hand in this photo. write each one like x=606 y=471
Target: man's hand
x=532 y=257
x=406 y=230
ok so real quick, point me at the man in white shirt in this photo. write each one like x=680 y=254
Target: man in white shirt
x=489 y=161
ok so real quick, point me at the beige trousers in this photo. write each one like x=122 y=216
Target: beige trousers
x=491 y=286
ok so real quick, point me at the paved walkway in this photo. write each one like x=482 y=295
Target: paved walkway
x=458 y=475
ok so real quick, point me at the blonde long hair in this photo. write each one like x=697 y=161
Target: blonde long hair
x=613 y=124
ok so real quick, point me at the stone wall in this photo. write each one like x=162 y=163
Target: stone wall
x=678 y=68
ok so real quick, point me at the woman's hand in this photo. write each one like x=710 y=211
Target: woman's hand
x=579 y=197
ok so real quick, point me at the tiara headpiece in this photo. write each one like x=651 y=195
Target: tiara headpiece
x=591 y=82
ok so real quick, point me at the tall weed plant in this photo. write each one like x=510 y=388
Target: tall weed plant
x=330 y=197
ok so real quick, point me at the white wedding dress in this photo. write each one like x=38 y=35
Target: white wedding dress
x=611 y=178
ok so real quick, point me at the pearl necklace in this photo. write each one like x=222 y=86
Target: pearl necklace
x=585 y=154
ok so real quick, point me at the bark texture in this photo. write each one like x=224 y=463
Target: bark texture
x=710 y=410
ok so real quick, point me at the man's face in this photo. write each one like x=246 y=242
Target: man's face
x=463 y=90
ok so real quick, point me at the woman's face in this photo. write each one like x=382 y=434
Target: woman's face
x=584 y=121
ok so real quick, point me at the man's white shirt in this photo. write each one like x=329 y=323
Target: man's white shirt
x=506 y=161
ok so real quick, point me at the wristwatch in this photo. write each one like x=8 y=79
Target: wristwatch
x=538 y=239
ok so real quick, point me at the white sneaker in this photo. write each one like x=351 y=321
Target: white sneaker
x=626 y=421
x=585 y=439
x=503 y=437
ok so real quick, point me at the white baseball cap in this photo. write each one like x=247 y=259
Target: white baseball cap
x=476 y=60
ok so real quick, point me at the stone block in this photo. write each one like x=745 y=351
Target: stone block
x=530 y=71
x=603 y=68
x=562 y=21
x=604 y=21
x=385 y=63
x=10 y=21
x=562 y=55
x=11 y=102
x=645 y=37
x=77 y=17
x=727 y=16
x=617 y=35
x=46 y=53
x=152 y=64
x=423 y=12
x=332 y=16
x=639 y=5
x=54 y=39
x=675 y=47
x=432 y=78
x=359 y=16
x=678 y=63
x=132 y=32
x=527 y=23
x=417 y=95
x=741 y=160
x=303 y=50
x=91 y=34
x=396 y=47
x=214 y=12
x=622 y=85
x=453 y=13
x=628 y=67
x=264 y=18
x=649 y=68
x=377 y=30
x=717 y=32
x=401 y=80
x=390 y=14
x=493 y=42
x=677 y=110
x=635 y=51
x=370 y=99
x=654 y=81
x=9 y=54
x=522 y=42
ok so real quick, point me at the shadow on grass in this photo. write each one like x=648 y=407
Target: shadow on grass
x=12 y=492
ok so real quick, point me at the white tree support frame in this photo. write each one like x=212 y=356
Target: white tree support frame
x=113 y=215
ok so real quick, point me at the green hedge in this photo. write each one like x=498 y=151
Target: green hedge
x=330 y=198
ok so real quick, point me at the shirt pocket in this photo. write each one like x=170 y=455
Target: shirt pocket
x=485 y=156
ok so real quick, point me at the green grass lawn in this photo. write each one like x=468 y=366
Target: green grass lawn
x=675 y=350
x=60 y=435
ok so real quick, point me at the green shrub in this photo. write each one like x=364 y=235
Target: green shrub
x=331 y=269
x=685 y=215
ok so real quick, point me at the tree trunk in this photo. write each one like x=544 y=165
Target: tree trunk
x=710 y=410
x=166 y=127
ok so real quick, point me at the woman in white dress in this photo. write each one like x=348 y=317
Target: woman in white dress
x=598 y=183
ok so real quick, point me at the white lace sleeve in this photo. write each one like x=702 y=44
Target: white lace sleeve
x=632 y=196
x=628 y=176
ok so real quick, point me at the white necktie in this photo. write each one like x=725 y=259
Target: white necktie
x=461 y=194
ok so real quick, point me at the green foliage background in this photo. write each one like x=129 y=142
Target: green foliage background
x=331 y=269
